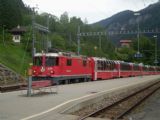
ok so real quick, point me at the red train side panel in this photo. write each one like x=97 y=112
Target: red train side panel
x=56 y=66
x=60 y=67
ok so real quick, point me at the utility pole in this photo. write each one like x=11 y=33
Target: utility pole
x=138 y=37
x=137 y=14
x=156 y=61
x=47 y=42
x=78 y=41
x=33 y=33
x=100 y=43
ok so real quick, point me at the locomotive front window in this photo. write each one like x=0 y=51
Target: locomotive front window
x=37 y=61
x=51 y=61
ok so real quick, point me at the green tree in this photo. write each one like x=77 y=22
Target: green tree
x=11 y=12
x=146 y=48
x=126 y=54
x=64 y=19
x=57 y=41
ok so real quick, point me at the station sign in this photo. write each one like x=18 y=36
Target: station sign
x=156 y=62
x=138 y=55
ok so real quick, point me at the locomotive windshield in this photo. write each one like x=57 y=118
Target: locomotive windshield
x=37 y=61
x=51 y=61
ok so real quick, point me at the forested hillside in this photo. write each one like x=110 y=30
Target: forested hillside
x=63 y=35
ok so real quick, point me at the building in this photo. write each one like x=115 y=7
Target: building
x=17 y=33
x=125 y=43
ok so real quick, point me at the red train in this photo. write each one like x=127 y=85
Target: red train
x=62 y=68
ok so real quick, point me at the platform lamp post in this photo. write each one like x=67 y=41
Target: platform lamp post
x=137 y=14
x=33 y=33
x=155 y=61
x=33 y=30
x=78 y=41
x=95 y=49
x=29 y=83
x=48 y=43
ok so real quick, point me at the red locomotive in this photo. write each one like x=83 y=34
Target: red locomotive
x=62 y=68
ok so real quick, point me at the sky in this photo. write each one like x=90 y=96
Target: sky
x=92 y=10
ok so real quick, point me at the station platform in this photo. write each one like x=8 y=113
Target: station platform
x=17 y=106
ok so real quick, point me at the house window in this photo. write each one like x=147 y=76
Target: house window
x=16 y=37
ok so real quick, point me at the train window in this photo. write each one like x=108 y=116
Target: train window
x=110 y=65
x=98 y=65
x=114 y=66
x=84 y=63
x=37 y=61
x=51 y=61
x=69 y=62
x=136 y=67
x=125 y=66
x=145 y=68
x=101 y=68
x=103 y=65
x=107 y=65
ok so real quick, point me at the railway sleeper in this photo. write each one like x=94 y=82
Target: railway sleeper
x=120 y=108
x=118 y=113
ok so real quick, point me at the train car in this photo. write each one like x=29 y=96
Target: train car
x=137 y=70
x=104 y=69
x=145 y=70
x=125 y=69
x=61 y=67
x=151 y=70
x=157 y=70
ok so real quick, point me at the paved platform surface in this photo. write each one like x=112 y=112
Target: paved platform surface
x=16 y=106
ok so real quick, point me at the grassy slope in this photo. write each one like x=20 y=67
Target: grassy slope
x=14 y=57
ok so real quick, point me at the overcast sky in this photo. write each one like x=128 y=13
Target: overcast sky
x=93 y=10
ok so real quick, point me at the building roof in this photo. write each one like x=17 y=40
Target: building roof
x=125 y=41
x=18 y=29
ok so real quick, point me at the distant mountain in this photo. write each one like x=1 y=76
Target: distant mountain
x=126 y=20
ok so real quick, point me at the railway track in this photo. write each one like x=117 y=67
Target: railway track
x=119 y=109
x=13 y=87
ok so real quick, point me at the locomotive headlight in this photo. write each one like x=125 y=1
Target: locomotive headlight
x=34 y=71
x=52 y=72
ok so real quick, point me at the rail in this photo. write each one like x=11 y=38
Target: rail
x=120 y=108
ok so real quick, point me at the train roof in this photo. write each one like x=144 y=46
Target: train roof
x=47 y=54
x=59 y=54
x=103 y=59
